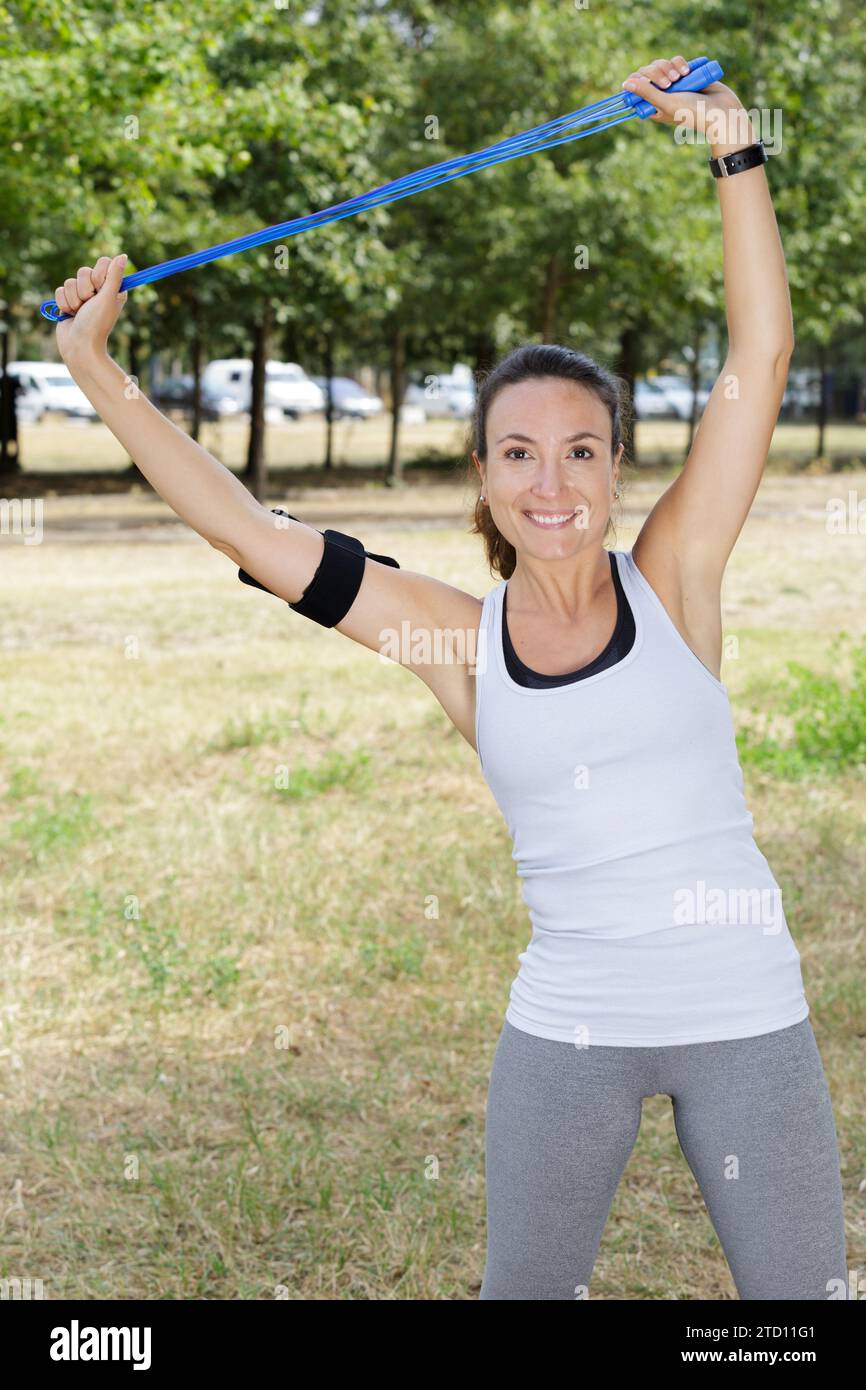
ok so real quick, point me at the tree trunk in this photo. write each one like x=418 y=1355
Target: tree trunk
x=329 y=400
x=627 y=367
x=484 y=351
x=196 y=383
x=823 y=401
x=552 y=281
x=255 y=472
x=394 y=472
x=10 y=453
x=695 y=381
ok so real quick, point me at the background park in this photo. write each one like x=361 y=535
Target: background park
x=246 y=1026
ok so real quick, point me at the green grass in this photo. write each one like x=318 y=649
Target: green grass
x=260 y=918
x=826 y=714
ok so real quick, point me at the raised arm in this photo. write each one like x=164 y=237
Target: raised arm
x=281 y=554
x=689 y=535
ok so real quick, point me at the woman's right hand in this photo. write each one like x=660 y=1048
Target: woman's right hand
x=95 y=300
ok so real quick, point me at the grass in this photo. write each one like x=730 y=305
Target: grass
x=259 y=917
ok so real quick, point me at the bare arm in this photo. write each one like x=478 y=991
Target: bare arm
x=282 y=554
x=685 y=542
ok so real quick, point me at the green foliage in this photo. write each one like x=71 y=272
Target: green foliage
x=390 y=958
x=23 y=782
x=166 y=967
x=827 y=717
x=56 y=826
x=243 y=733
x=335 y=770
x=159 y=129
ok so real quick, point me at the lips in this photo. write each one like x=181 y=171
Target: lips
x=550 y=521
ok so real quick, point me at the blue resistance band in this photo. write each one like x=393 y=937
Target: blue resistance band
x=587 y=120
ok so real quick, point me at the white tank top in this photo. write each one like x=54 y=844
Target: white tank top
x=656 y=920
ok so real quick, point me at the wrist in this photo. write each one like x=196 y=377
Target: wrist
x=84 y=360
x=730 y=130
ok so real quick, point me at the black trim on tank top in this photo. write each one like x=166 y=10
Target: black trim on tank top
x=620 y=644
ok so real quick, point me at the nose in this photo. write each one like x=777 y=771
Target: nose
x=549 y=482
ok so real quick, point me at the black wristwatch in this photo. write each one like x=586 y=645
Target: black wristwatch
x=739 y=161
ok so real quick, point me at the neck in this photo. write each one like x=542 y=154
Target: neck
x=566 y=589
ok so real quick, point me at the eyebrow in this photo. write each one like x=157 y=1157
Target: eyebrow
x=570 y=439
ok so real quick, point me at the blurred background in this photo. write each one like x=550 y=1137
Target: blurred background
x=259 y=916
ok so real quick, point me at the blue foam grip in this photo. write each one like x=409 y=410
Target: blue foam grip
x=702 y=72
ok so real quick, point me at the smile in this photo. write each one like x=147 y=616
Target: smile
x=551 y=521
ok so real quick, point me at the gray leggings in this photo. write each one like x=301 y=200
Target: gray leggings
x=753 y=1117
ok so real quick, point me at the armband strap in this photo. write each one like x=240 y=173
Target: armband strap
x=334 y=587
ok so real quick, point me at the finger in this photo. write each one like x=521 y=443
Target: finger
x=84 y=283
x=665 y=103
x=114 y=274
x=681 y=64
x=661 y=72
x=60 y=297
x=72 y=296
x=100 y=270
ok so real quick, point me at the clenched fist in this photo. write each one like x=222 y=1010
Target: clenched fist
x=95 y=300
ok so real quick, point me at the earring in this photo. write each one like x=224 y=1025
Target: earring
x=482 y=498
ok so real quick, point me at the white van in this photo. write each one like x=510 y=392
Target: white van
x=47 y=386
x=288 y=389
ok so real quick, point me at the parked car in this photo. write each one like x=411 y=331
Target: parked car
x=447 y=396
x=287 y=386
x=350 y=400
x=177 y=392
x=650 y=403
x=48 y=386
x=802 y=394
x=678 y=390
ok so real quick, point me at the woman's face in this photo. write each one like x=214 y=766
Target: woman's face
x=549 y=478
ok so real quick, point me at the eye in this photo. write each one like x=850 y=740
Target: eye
x=517 y=449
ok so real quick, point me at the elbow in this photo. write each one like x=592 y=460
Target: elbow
x=774 y=355
x=782 y=362
x=225 y=549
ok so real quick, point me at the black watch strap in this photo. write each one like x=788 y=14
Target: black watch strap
x=739 y=161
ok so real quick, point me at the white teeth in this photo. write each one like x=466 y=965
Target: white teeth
x=551 y=520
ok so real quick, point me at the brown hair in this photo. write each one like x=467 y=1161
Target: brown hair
x=522 y=364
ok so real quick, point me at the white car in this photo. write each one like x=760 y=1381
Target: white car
x=288 y=389
x=48 y=386
x=678 y=390
x=447 y=395
x=650 y=403
x=349 y=399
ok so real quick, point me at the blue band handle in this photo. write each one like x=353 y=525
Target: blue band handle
x=702 y=72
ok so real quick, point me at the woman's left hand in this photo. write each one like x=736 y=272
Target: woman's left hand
x=705 y=111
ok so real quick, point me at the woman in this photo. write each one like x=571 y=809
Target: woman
x=589 y=683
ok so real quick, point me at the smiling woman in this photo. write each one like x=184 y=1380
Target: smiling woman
x=596 y=449
x=648 y=970
x=605 y=733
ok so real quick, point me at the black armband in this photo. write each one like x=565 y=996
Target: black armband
x=334 y=587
